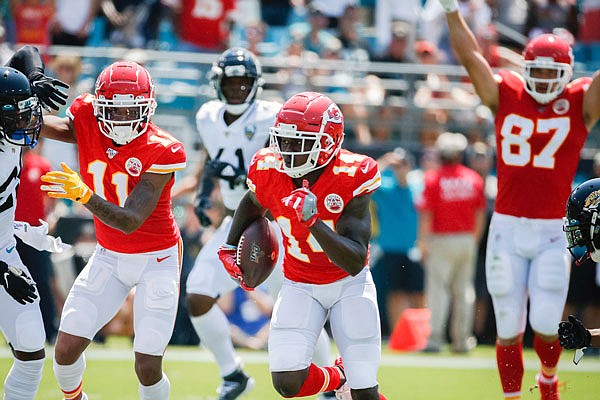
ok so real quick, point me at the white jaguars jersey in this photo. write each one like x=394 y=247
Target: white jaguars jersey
x=10 y=169
x=235 y=143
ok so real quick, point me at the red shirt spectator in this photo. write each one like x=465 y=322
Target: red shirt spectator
x=452 y=194
x=205 y=24
x=32 y=20
x=31 y=201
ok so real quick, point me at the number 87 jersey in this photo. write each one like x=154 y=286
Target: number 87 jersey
x=538 y=148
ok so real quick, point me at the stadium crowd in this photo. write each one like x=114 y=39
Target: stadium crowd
x=393 y=67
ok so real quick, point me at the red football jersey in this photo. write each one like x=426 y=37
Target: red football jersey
x=348 y=176
x=111 y=171
x=538 y=148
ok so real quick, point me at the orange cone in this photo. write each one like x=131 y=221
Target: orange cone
x=411 y=330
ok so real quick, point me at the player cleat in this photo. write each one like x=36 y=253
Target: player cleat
x=548 y=387
x=235 y=385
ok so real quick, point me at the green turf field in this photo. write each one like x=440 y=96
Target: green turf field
x=411 y=376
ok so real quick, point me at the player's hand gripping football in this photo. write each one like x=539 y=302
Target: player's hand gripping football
x=572 y=334
x=228 y=256
x=17 y=284
x=304 y=203
x=66 y=184
x=49 y=90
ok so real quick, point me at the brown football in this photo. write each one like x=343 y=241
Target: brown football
x=257 y=252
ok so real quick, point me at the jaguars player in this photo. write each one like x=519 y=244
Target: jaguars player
x=231 y=128
x=24 y=88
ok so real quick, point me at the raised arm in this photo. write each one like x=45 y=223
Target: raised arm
x=591 y=103
x=50 y=91
x=470 y=56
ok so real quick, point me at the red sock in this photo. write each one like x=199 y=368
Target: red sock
x=319 y=379
x=510 y=367
x=549 y=353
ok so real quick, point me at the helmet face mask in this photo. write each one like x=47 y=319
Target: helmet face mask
x=124 y=101
x=308 y=133
x=548 y=67
x=20 y=110
x=237 y=94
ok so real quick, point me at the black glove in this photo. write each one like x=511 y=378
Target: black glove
x=48 y=91
x=17 y=284
x=573 y=335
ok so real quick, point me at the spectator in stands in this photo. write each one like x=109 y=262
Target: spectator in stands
x=318 y=37
x=477 y=14
x=512 y=14
x=354 y=47
x=132 y=23
x=32 y=21
x=73 y=21
x=277 y=12
x=543 y=16
x=590 y=21
x=398 y=49
x=254 y=33
x=389 y=11
x=249 y=314
x=295 y=74
x=398 y=274
x=204 y=28
x=451 y=218
x=332 y=9
x=68 y=68
x=433 y=121
x=496 y=55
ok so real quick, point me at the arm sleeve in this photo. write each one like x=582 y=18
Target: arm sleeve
x=28 y=60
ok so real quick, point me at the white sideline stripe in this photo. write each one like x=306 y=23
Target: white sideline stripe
x=590 y=364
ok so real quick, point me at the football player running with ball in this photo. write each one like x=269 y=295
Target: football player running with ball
x=319 y=195
x=231 y=130
x=127 y=169
x=542 y=120
x=24 y=88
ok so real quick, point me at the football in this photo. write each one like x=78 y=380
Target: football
x=257 y=252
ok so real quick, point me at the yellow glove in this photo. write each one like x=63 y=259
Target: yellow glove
x=66 y=184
